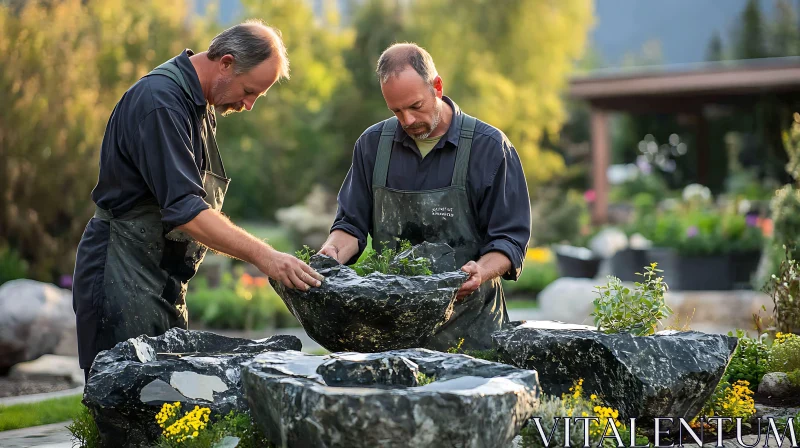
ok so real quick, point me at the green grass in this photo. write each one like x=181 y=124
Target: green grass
x=519 y=304
x=42 y=413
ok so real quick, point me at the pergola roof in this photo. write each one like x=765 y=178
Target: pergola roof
x=687 y=86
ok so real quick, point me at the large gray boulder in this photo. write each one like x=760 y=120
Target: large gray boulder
x=35 y=318
x=367 y=400
x=668 y=374
x=377 y=312
x=128 y=384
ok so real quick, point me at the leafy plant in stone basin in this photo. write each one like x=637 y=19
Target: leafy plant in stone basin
x=749 y=362
x=373 y=261
x=637 y=311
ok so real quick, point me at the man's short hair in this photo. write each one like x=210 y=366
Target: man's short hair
x=250 y=43
x=397 y=57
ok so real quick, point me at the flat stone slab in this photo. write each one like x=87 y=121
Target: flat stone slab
x=368 y=400
x=129 y=383
x=377 y=312
x=669 y=374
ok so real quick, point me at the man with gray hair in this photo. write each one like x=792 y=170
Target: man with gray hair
x=161 y=187
x=433 y=173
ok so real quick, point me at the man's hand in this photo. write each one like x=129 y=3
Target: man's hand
x=290 y=271
x=331 y=251
x=489 y=267
x=216 y=231
x=341 y=246
x=473 y=282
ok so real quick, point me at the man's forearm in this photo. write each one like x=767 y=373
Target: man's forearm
x=217 y=232
x=494 y=264
x=343 y=244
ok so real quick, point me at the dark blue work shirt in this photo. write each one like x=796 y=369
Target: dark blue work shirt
x=496 y=185
x=152 y=148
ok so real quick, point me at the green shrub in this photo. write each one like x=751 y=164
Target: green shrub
x=305 y=254
x=785 y=353
x=12 y=266
x=749 y=361
x=784 y=288
x=794 y=377
x=637 y=311
x=84 y=430
x=534 y=278
x=245 y=304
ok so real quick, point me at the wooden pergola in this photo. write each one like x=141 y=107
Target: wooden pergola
x=686 y=90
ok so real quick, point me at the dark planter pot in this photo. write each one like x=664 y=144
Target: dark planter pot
x=744 y=264
x=668 y=261
x=626 y=263
x=712 y=273
x=571 y=264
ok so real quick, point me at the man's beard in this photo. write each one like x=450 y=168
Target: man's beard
x=437 y=115
x=225 y=109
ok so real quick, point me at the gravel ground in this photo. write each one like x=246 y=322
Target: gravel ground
x=12 y=387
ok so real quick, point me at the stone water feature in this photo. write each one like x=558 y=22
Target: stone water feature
x=377 y=312
x=367 y=400
x=129 y=383
x=669 y=374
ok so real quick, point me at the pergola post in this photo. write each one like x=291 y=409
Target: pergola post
x=601 y=158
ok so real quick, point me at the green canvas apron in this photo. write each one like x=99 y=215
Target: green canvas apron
x=440 y=216
x=147 y=268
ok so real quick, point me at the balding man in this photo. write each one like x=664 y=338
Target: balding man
x=161 y=188
x=433 y=173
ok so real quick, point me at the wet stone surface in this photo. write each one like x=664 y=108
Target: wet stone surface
x=368 y=400
x=377 y=312
x=129 y=383
x=669 y=374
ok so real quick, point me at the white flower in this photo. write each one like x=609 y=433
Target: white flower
x=696 y=192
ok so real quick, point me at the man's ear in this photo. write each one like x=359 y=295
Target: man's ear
x=226 y=63
x=438 y=86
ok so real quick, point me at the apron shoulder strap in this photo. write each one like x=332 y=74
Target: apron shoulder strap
x=464 y=149
x=173 y=72
x=381 y=170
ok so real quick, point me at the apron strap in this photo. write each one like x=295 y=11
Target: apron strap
x=464 y=149
x=173 y=72
x=381 y=170
x=213 y=158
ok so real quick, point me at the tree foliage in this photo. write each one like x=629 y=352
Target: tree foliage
x=67 y=62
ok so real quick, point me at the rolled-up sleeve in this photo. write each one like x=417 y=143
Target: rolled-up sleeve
x=506 y=212
x=354 y=212
x=167 y=164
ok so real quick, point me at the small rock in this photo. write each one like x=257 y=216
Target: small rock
x=129 y=383
x=470 y=403
x=36 y=317
x=50 y=366
x=777 y=384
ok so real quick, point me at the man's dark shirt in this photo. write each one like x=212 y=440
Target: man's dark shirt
x=152 y=149
x=496 y=185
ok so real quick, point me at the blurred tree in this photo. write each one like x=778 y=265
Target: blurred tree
x=784 y=31
x=715 y=50
x=750 y=36
x=275 y=152
x=65 y=65
x=507 y=63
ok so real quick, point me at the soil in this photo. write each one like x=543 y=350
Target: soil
x=786 y=402
x=13 y=387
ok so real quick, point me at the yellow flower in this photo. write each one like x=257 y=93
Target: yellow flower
x=593 y=396
x=539 y=255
